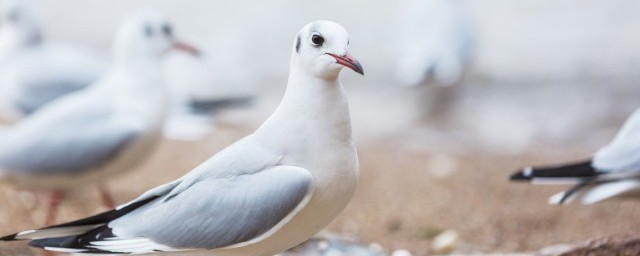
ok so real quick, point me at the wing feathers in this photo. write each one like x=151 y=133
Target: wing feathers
x=568 y=173
x=78 y=226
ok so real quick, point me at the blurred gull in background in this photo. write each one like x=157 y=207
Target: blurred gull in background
x=613 y=171
x=33 y=70
x=107 y=128
x=266 y=193
x=197 y=94
x=433 y=41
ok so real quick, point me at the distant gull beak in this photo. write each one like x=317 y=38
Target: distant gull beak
x=186 y=48
x=349 y=61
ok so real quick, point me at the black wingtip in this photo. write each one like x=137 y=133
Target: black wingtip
x=81 y=243
x=575 y=170
x=9 y=238
x=523 y=175
x=518 y=176
x=49 y=242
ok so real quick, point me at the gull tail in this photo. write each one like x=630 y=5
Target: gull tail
x=589 y=185
x=575 y=173
x=75 y=236
x=595 y=193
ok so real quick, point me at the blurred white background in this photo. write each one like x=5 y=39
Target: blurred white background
x=548 y=39
x=549 y=81
x=541 y=70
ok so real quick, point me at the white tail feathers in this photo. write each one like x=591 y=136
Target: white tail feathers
x=597 y=193
x=53 y=232
x=608 y=190
x=557 y=198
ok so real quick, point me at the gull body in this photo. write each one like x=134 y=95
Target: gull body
x=34 y=70
x=263 y=194
x=88 y=136
x=613 y=171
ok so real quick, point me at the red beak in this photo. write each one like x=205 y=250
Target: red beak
x=186 y=48
x=349 y=61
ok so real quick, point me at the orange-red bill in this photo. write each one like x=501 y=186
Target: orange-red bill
x=349 y=61
x=190 y=49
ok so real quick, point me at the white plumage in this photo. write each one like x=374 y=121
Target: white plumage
x=35 y=70
x=88 y=136
x=262 y=195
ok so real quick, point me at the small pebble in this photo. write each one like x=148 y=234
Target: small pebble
x=376 y=247
x=323 y=245
x=445 y=242
x=401 y=253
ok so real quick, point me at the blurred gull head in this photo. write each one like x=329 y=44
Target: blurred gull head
x=147 y=36
x=20 y=23
x=320 y=49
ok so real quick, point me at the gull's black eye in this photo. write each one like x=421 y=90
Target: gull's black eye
x=317 y=40
x=167 y=30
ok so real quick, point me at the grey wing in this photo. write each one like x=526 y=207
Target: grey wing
x=215 y=213
x=31 y=98
x=623 y=153
x=50 y=73
x=67 y=148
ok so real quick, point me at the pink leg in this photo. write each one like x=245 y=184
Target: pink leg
x=47 y=253
x=105 y=196
x=54 y=198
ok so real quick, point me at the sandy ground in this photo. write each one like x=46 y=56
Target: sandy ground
x=416 y=179
x=431 y=159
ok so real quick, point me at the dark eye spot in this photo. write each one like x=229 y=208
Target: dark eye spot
x=148 y=30
x=317 y=40
x=167 y=30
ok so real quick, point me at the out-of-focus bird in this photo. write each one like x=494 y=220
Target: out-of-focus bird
x=107 y=128
x=34 y=70
x=433 y=42
x=198 y=95
x=262 y=195
x=613 y=171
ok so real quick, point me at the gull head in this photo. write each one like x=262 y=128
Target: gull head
x=321 y=49
x=148 y=35
x=20 y=22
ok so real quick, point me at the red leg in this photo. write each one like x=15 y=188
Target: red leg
x=105 y=196
x=54 y=198
x=47 y=253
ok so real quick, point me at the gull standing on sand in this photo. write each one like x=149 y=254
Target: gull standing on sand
x=262 y=195
x=34 y=70
x=613 y=171
x=107 y=128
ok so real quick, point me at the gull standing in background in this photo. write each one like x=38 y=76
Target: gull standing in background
x=107 y=128
x=433 y=42
x=262 y=195
x=33 y=70
x=613 y=171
